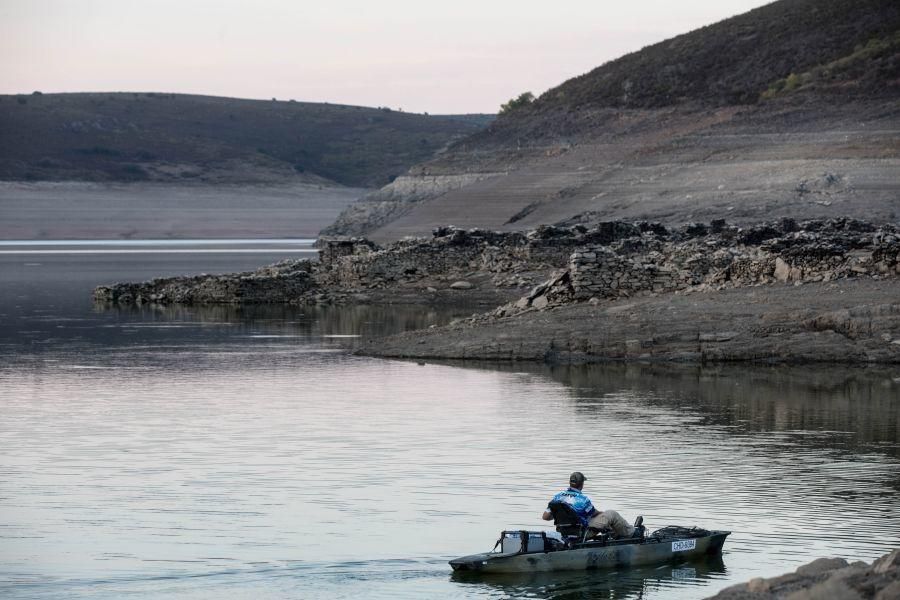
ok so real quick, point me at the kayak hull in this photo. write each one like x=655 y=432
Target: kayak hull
x=596 y=556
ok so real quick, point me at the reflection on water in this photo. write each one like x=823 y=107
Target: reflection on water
x=832 y=406
x=244 y=452
x=132 y=327
x=305 y=321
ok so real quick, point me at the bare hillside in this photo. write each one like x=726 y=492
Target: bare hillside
x=792 y=109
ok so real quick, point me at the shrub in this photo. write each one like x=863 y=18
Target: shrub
x=523 y=99
x=792 y=82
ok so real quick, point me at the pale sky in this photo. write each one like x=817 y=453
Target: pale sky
x=454 y=56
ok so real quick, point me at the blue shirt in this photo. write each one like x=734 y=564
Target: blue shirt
x=577 y=500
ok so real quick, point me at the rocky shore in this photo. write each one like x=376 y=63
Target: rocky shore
x=826 y=578
x=818 y=290
x=853 y=321
x=453 y=266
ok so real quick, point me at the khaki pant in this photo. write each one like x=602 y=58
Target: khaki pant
x=610 y=520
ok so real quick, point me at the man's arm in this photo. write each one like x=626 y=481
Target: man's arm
x=547 y=516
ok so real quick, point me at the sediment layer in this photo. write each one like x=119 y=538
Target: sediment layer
x=852 y=321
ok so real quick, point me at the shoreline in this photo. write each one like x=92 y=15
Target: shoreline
x=853 y=322
x=815 y=291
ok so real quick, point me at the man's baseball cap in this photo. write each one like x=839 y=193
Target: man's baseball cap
x=577 y=478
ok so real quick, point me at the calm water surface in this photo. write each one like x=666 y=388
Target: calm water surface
x=245 y=453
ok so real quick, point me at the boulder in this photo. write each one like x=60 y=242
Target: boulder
x=826 y=590
x=891 y=592
x=822 y=565
x=888 y=562
x=825 y=579
x=782 y=270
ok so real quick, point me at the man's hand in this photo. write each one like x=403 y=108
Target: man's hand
x=547 y=516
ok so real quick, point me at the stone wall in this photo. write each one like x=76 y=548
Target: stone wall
x=703 y=258
x=331 y=251
x=283 y=282
x=611 y=260
x=358 y=263
x=404 y=261
x=597 y=271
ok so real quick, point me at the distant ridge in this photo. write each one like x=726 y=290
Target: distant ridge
x=183 y=138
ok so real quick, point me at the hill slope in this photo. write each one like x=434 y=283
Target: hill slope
x=171 y=137
x=733 y=61
x=791 y=109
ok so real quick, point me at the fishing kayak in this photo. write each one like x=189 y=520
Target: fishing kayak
x=541 y=551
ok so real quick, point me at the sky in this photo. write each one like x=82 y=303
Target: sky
x=459 y=56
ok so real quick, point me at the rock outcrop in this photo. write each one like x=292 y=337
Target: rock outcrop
x=608 y=261
x=279 y=283
x=853 y=321
x=700 y=258
x=826 y=578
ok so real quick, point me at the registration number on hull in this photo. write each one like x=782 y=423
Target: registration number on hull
x=682 y=545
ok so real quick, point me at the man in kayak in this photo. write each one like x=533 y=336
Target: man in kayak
x=584 y=508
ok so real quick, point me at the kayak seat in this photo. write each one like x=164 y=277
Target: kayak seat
x=639 y=530
x=566 y=522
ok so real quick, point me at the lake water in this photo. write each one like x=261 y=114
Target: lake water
x=246 y=453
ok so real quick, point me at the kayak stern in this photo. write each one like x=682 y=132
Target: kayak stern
x=473 y=562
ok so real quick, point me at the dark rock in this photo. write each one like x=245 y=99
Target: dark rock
x=754 y=236
x=888 y=563
x=693 y=230
x=657 y=229
x=788 y=225
x=717 y=225
x=822 y=565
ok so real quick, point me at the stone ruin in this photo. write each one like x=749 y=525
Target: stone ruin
x=701 y=258
x=607 y=261
x=359 y=263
